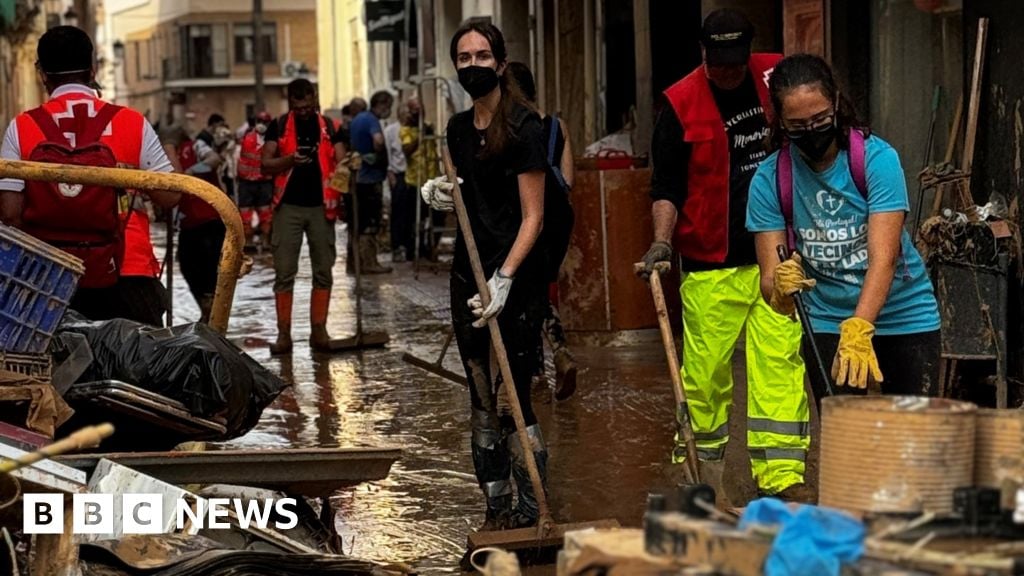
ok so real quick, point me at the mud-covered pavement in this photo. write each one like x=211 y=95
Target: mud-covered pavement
x=609 y=443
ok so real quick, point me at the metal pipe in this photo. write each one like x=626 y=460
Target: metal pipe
x=231 y=253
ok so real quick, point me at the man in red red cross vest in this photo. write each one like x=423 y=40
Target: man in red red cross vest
x=108 y=229
x=255 y=187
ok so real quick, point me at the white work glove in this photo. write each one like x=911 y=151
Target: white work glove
x=437 y=193
x=498 y=286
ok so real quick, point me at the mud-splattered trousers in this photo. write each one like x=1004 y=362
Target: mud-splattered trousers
x=497 y=452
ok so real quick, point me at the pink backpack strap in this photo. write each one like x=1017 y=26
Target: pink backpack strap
x=784 y=187
x=858 y=162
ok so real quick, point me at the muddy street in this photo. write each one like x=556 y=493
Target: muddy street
x=609 y=443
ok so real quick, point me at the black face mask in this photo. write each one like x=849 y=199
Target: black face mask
x=813 y=143
x=478 y=81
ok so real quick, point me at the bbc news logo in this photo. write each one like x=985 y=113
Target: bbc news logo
x=147 y=514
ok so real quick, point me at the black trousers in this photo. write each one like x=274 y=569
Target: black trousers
x=199 y=251
x=138 y=298
x=520 y=324
x=403 y=215
x=909 y=364
x=371 y=201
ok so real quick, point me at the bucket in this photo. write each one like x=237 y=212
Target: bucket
x=997 y=448
x=895 y=454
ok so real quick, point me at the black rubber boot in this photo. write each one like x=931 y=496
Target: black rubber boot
x=527 y=511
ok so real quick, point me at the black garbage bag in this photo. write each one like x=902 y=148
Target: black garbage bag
x=192 y=364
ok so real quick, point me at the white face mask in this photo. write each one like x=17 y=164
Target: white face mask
x=261 y=128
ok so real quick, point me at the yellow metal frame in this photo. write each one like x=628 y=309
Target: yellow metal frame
x=231 y=253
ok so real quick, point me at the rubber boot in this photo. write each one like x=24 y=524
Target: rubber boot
x=319 y=304
x=350 y=256
x=527 y=510
x=265 y=235
x=283 y=302
x=250 y=236
x=492 y=465
x=205 y=308
x=712 y=473
x=565 y=365
x=368 y=263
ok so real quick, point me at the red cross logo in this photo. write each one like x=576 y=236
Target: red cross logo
x=76 y=117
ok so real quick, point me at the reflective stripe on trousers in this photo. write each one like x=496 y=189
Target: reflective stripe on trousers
x=717 y=306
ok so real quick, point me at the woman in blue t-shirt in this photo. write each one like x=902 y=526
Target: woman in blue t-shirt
x=872 y=305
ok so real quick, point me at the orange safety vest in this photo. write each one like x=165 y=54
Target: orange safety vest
x=702 y=233
x=287 y=143
x=250 y=161
x=124 y=137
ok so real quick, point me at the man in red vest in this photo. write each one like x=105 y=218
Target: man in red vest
x=255 y=188
x=301 y=150
x=708 y=141
x=66 y=66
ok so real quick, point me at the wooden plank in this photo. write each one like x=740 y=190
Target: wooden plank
x=56 y=554
x=975 y=103
x=644 y=77
x=589 y=75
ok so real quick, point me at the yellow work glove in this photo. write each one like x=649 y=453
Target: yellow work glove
x=855 y=363
x=788 y=280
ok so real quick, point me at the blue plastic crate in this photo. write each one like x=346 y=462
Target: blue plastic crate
x=36 y=285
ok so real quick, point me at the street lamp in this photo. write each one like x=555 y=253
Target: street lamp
x=71 y=17
x=118 y=51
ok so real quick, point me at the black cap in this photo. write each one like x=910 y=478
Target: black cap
x=726 y=38
x=65 y=50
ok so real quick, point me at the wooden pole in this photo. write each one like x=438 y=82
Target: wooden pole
x=644 y=78
x=975 y=105
x=257 y=54
x=589 y=74
x=544 y=523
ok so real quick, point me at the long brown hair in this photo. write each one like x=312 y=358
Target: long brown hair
x=500 y=129
x=807 y=69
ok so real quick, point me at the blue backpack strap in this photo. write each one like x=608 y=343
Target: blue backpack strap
x=552 y=140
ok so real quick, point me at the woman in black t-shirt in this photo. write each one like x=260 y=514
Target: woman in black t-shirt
x=498 y=151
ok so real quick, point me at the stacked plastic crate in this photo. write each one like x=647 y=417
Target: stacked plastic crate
x=36 y=285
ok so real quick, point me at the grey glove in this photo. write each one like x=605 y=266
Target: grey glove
x=498 y=286
x=658 y=252
x=437 y=193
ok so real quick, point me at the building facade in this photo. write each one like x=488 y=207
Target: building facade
x=194 y=59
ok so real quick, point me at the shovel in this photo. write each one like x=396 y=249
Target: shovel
x=805 y=323
x=683 y=424
x=361 y=340
x=546 y=534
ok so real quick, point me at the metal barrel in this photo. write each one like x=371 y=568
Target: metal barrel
x=895 y=454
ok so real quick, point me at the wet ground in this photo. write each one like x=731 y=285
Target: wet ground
x=609 y=443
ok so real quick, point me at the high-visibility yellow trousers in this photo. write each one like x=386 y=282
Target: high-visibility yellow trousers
x=717 y=306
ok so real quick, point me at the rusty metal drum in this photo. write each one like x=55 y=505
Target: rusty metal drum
x=998 y=447
x=895 y=454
